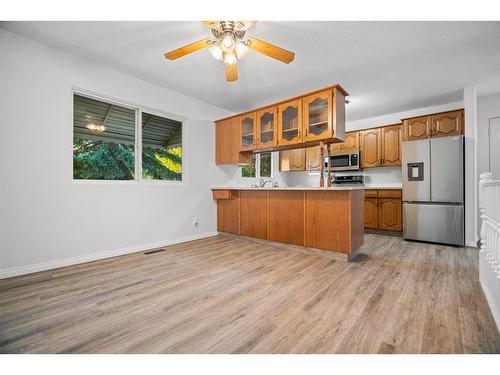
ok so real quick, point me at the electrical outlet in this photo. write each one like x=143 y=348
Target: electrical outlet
x=196 y=221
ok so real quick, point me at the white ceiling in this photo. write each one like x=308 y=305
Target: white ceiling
x=386 y=66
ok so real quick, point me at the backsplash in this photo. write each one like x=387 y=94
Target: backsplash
x=230 y=175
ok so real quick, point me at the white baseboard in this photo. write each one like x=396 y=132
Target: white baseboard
x=58 y=263
x=494 y=309
x=471 y=244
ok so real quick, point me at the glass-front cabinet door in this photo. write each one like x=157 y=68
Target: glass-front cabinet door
x=290 y=123
x=248 y=131
x=317 y=110
x=266 y=127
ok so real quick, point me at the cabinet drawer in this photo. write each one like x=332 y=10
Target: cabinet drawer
x=389 y=193
x=371 y=193
x=224 y=194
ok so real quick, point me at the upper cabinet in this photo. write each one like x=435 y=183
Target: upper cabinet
x=266 y=129
x=313 y=160
x=417 y=128
x=380 y=147
x=391 y=145
x=248 y=131
x=449 y=123
x=351 y=143
x=227 y=143
x=300 y=122
x=437 y=125
x=290 y=123
x=371 y=147
x=318 y=116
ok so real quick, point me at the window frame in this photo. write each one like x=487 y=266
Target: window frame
x=138 y=109
x=257 y=167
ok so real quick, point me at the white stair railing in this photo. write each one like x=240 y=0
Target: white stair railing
x=489 y=255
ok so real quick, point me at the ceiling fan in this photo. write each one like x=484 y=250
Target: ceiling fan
x=229 y=45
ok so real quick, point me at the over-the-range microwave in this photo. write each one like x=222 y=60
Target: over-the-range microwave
x=344 y=161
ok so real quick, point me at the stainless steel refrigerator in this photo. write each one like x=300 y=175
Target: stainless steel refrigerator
x=433 y=190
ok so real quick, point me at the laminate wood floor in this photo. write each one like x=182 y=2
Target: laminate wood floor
x=234 y=295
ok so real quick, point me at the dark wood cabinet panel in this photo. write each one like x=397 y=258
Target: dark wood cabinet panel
x=389 y=214
x=286 y=216
x=254 y=213
x=391 y=146
x=447 y=124
x=371 y=148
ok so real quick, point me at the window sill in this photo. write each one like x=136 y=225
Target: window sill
x=130 y=182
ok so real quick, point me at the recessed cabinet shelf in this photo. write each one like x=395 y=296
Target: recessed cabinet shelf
x=319 y=123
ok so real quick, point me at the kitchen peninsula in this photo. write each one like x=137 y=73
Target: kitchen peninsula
x=330 y=219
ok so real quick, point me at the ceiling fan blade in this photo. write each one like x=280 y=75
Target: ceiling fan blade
x=270 y=50
x=208 y=23
x=187 y=49
x=231 y=72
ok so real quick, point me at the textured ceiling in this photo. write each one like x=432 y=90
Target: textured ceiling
x=385 y=66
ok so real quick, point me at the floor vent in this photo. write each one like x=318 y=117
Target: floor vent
x=153 y=251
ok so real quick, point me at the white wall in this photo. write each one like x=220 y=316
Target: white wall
x=487 y=107
x=46 y=219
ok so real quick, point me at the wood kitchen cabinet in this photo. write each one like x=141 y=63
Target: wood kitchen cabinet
x=299 y=122
x=449 y=123
x=266 y=129
x=248 y=131
x=313 y=159
x=435 y=125
x=380 y=147
x=371 y=213
x=351 y=143
x=254 y=213
x=417 y=128
x=228 y=210
x=300 y=159
x=318 y=109
x=371 y=147
x=383 y=210
x=227 y=143
x=391 y=145
x=290 y=123
x=390 y=214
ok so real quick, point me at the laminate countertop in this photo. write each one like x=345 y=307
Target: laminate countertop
x=341 y=187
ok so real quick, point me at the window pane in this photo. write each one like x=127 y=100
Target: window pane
x=103 y=140
x=265 y=165
x=249 y=170
x=161 y=148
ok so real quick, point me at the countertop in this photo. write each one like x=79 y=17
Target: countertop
x=342 y=187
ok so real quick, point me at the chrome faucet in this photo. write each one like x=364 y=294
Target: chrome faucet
x=261 y=182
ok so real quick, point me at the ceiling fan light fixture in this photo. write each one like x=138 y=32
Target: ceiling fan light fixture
x=229 y=58
x=228 y=42
x=240 y=49
x=216 y=51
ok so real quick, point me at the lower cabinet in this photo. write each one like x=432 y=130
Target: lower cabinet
x=254 y=213
x=389 y=214
x=383 y=210
x=371 y=213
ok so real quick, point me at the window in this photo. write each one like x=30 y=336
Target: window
x=105 y=140
x=161 y=148
x=262 y=166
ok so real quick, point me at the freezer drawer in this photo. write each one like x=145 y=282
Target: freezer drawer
x=441 y=223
